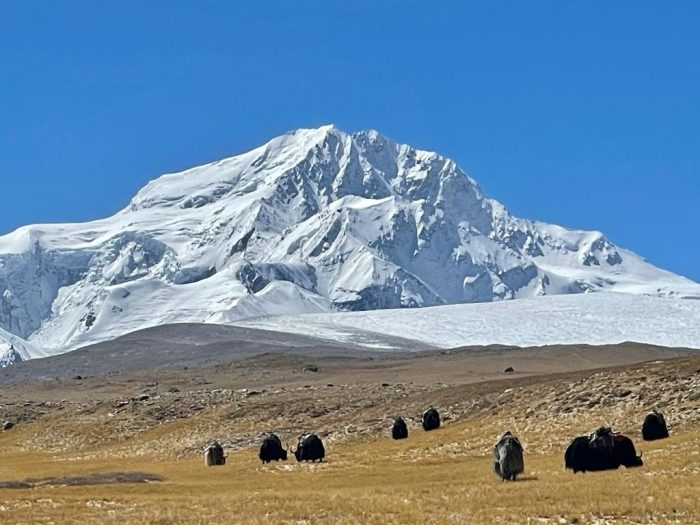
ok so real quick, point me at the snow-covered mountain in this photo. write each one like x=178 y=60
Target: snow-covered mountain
x=313 y=221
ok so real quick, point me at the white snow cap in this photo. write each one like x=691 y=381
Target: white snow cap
x=316 y=220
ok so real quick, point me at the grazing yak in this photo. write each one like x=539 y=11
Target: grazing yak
x=602 y=450
x=214 y=455
x=309 y=448
x=399 y=430
x=508 y=457
x=431 y=419
x=654 y=427
x=272 y=450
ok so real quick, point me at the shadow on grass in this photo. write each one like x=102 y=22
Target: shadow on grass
x=522 y=478
x=82 y=480
x=527 y=478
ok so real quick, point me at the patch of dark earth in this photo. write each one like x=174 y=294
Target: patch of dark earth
x=103 y=478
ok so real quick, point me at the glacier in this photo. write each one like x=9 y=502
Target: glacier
x=593 y=319
x=314 y=221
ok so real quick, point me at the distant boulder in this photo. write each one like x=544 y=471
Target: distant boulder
x=310 y=368
x=7 y=425
x=509 y=370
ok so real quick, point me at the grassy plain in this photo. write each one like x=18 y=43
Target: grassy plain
x=442 y=476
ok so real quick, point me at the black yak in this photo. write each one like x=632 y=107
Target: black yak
x=654 y=427
x=214 y=455
x=595 y=452
x=309 y=448
x=272 y=450
x=399 y=430
x=431 y=419
x=508 y=457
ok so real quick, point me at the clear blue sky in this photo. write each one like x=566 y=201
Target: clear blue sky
x=585 y=114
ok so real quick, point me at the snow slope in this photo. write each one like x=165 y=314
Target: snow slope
x=316 y=220
x=601 y=318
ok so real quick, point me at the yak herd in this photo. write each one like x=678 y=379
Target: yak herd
x=603 y=449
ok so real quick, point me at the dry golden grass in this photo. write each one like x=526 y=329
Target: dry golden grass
x=436 y=477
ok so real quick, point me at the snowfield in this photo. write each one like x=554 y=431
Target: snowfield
x=594 y=318
x=314 y=221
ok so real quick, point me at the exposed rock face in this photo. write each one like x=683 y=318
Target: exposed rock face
x=10 y=358
x=14 y=349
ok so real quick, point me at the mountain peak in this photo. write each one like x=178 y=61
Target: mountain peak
x=308 y=136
